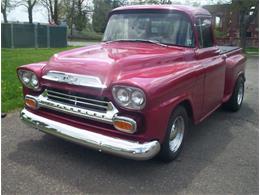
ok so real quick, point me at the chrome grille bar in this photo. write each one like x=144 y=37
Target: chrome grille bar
x=97 y=110
x=73 y=96
x=79 y=101
x=75 y=101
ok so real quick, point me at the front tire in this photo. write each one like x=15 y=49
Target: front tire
x=175 y=135
x=236 y=100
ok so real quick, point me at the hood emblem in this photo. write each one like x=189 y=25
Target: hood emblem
x=74 y=79
x=70 y=79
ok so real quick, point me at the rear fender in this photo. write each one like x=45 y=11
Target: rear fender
x=235 y=67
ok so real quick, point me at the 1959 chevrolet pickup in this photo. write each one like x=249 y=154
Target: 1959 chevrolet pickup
x=134 y=95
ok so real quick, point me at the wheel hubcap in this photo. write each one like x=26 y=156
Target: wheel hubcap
x=177 y=133
x=240 y=94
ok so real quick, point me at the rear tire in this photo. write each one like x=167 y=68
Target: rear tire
x=175 y=134
x=236 y=100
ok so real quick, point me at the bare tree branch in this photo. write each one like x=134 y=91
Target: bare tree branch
x=6 y=6
x=29 y=4
x=53 y=7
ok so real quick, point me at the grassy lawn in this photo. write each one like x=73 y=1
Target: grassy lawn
x=11 y=59
x=252 y=50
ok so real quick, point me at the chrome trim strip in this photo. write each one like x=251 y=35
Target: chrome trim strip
x=115 y=146
x=32 y=97
x=106 y=117
x=126 y=119
x=74 y=79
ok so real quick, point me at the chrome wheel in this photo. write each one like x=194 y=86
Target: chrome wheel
x=177 y=133
x=240 y=94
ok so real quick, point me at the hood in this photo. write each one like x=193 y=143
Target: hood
x=115 y=61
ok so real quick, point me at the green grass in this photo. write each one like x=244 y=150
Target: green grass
x=219 y=34
x=252 y=50
x=83 y=40
x=12 y=58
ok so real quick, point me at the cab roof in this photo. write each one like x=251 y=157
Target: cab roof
x=192 y=11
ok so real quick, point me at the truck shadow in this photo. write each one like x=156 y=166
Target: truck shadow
x=93 y=172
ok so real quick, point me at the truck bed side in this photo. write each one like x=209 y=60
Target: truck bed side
x=235 y=67
x=227 y=49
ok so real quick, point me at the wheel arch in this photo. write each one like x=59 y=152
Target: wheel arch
x=187 y=104
x=241 y=74
x=188 y=107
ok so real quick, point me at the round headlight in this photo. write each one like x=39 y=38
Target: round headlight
x=137 y=98
x=34 y=80
x=129 y=97
x=122 y=95
x=26 y=77
x=29 y=79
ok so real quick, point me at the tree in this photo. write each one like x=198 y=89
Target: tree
x=248 y=11
x=118 y=3
x=69 y=12
x=29 y=4
x=76 y=13
x=81 y=18
x=5 y=5
x=53 y=10
x=101 y=10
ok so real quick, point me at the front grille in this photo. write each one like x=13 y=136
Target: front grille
x=78 y=100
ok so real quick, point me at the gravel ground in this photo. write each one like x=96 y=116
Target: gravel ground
x=220 y=157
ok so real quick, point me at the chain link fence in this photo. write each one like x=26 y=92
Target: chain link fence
x=33 y=36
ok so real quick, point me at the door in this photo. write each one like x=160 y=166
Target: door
x=213 y=63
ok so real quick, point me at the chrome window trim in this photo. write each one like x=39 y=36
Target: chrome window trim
x=74 y=79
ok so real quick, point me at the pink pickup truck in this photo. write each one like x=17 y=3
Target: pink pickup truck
x=134 y=95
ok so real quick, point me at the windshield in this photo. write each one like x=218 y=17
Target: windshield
x=166 y=28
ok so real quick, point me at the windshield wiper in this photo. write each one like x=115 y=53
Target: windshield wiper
x=138 y=40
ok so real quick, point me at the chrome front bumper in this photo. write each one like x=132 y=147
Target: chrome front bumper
x=116 y=146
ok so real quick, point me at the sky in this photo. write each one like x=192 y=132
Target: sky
x=40 y=13
x=20 y=14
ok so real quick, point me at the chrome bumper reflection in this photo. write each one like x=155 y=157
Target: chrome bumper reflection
x=116 y=146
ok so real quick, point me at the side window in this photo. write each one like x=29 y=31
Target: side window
x=204 y=30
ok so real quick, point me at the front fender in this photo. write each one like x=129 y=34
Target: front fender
x=157 y=118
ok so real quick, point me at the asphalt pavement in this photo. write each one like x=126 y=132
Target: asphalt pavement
x=221 y=156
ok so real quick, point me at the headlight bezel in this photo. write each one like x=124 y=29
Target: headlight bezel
x=130 y=104
x=32 y=75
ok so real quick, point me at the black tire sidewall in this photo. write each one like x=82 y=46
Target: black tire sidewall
x=240 y=82
x=232 y=104
x=166 y=154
